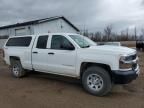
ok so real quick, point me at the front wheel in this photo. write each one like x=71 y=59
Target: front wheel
x=96 y=81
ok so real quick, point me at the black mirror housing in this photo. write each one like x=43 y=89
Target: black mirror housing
x=68 y=47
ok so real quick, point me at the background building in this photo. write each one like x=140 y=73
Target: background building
x=57 y=24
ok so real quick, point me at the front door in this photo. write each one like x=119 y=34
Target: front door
x=61 y=59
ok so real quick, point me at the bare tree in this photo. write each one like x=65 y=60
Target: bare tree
x=135 y=31
x=142 y=34
x=142 y=31
x=98 y=36
x=108 y=31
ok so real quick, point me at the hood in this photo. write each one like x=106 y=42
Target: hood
x=113 y=49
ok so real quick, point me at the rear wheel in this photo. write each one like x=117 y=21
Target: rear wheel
x=16 y=69
x=96 y=81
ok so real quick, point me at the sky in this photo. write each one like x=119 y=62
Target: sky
x=93 y=15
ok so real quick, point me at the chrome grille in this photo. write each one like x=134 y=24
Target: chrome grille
x=134 y=66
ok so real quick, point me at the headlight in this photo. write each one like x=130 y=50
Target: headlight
x=128 y=62
x=124 y=64
x=122 y=58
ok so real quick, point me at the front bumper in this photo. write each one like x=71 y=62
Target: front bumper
x=124 y=77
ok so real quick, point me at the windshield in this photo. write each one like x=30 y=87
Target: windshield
x=82 y=41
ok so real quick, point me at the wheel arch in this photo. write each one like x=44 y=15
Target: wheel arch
x=85 y=65
x=14 y=58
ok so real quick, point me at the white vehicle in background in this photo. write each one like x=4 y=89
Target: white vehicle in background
x=98 y=67
x=110 y=43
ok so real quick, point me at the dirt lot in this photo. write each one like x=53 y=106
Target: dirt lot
x=128 y=43
x=48 y=91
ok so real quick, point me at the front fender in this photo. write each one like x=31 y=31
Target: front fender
x=111 y=61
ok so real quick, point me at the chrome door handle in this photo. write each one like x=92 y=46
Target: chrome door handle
x=51 y=53
x=35 y=52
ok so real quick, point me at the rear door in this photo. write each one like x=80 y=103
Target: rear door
x=40 y=54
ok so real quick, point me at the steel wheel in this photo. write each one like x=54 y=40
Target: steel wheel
x=16 y=70
x=95 y=82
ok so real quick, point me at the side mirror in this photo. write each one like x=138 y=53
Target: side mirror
x=71 y=47
x=68 y=47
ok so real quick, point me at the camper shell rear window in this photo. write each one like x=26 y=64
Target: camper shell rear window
x=19 y=41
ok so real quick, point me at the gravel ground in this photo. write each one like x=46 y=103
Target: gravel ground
x=39 y=90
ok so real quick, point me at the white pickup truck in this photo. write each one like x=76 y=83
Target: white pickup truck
x=97 y=67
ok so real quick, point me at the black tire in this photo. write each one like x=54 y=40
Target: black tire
x=104 y=81
x=20 y=71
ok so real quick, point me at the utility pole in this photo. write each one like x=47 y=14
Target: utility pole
x=84 y=30
x=135 y=30
x=127 y=31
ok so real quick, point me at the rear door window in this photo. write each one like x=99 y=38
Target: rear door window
x=19 y=41
x=42 y=42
